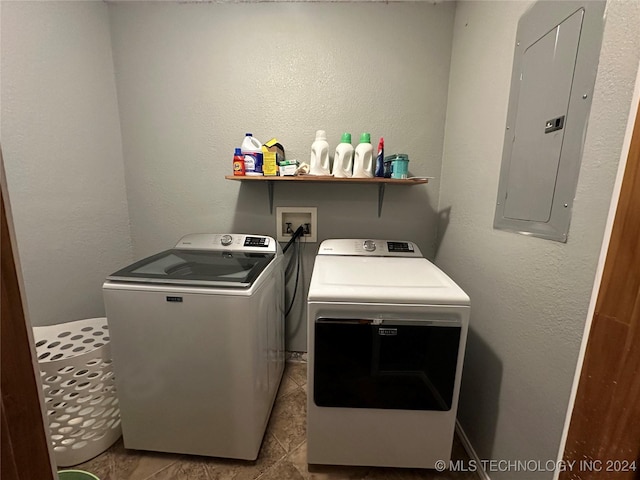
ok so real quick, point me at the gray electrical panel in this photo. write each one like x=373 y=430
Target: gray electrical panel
x=555 y=64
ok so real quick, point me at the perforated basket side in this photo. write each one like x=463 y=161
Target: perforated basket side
x=79 y=389
x=70 y=339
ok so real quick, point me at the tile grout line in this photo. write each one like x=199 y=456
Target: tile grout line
x=280 y=443
x=282 y=457
x=297 y=387
x=304 y=474
x=292 y=449
x=280 y=461
x=160 y=470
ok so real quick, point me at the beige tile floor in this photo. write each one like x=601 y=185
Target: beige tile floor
x=282 y=455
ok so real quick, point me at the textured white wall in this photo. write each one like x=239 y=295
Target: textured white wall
x=192 y=78
x=63 y=155
x=529 y=296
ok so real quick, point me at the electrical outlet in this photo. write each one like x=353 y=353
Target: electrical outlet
x=288 y=219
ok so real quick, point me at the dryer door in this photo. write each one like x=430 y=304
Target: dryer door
x=394 y=365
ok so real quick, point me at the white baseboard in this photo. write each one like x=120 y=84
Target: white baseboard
x=471 y=452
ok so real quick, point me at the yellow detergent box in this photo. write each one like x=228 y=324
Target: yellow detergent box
x=269 y=164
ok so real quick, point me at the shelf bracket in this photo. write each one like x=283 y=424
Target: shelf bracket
x=380 y=198
x=324 y=179
x=270 y=190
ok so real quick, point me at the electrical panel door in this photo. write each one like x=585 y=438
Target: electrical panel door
x=554 y=70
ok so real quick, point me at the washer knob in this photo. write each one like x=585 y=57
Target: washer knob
x=226 y=240
x=369 y=245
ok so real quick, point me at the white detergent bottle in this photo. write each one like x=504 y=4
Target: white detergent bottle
x=319 y=164
x=251 y=149
x=343 y=158
x=363 y=161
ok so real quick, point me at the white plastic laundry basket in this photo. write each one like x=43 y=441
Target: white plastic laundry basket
x=80 y=395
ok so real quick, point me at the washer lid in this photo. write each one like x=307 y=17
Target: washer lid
x=365 y=279
x=197 y=267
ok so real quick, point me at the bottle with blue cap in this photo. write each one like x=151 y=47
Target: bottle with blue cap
x=252 y=152
x=238 y=163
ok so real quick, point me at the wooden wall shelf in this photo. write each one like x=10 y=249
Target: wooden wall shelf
x=380 y=182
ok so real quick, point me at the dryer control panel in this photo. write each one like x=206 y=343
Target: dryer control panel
x=369 y=247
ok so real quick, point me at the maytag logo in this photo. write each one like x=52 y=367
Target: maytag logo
x=174 y=299
x=388 y=332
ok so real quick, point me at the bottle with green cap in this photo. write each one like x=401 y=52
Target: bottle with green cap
x=363 y=160
x=343 y=158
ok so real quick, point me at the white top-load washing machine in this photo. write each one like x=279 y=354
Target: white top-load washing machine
x=387 y=332
x=197 y=340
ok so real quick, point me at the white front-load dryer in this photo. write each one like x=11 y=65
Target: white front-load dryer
x=386 y=336
x=197 y=340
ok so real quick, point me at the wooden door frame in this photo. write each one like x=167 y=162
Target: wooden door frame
x=25 y=449
x=605 y=410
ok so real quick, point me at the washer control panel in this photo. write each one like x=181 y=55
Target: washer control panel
x=405 y=247
x=228 y=242
x=261 y=242
x=369 y=247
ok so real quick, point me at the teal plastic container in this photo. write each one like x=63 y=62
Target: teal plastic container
x=399 y=165
x=76 y=475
